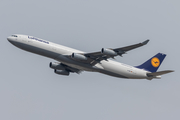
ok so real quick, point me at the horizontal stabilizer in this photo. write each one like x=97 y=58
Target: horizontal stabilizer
x=159 y=73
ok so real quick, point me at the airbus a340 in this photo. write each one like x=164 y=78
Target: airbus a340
x=75 y=61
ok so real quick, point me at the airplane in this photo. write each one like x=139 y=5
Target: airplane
x=74 y=61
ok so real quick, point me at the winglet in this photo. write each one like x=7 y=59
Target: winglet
x=145 y=42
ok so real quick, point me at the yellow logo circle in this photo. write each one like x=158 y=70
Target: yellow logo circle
x=155 y=62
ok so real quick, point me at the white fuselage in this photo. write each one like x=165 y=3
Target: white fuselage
x=60 y=53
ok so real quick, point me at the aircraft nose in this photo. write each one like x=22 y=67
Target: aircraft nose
x=9 y=39
x=12 y=39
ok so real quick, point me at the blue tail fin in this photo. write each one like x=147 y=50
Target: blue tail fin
x=153 y=64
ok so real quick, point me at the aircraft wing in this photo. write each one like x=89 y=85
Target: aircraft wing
x=71 y=69
x=127 y=48
x=111 y=53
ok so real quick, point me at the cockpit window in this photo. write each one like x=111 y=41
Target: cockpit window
x=14 y=35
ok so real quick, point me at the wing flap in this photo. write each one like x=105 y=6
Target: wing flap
x=71 y=69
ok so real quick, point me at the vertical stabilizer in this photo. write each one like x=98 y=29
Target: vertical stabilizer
x=153 y=64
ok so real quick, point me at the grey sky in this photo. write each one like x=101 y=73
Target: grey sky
x=30 y=90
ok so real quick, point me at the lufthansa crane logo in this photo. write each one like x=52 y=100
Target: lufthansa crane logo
x=155 y=62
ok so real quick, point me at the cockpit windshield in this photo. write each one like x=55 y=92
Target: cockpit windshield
x=14 y=35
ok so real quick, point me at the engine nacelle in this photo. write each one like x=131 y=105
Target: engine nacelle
x=61 y=72
x=77 y=56
x=57 y=66
x=108 y=52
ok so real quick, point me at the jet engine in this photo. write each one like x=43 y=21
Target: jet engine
x=108 y=52
x=77 y=56
x=61 y=72
x=57 y=66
